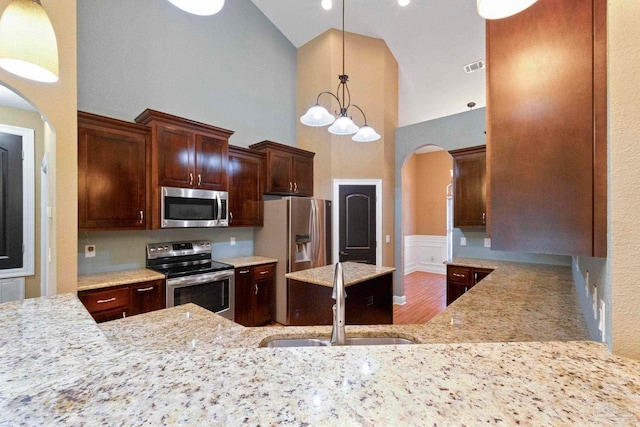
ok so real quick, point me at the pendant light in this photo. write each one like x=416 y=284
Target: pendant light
x=28 y=46
x=317 y=115
x=497 y=9
x=199 y=7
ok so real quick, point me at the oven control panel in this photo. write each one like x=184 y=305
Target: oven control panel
x=173 y=249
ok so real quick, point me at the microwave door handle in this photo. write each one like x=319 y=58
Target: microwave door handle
x=219 y=207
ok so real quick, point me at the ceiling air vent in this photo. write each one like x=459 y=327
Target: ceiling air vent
x=474 y=66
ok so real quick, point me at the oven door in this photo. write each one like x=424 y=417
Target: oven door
x=213 y=291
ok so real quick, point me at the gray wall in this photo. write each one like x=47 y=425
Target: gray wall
x=451 y=132
x=233 y=70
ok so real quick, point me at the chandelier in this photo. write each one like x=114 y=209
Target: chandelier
x=318 y=116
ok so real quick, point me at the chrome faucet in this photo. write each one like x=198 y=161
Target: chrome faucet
x=339 y=294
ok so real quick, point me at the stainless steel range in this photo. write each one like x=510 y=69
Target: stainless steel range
x=192 y=276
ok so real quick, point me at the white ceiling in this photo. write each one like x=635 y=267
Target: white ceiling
x=9 y=98
x=431 y=40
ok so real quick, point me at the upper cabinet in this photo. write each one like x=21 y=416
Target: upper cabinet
x=112 y=179
x=185 y=153
x=469 y=187
x=546 y=129
x=289 y=169
x=246 y=186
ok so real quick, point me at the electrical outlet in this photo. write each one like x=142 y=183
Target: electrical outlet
x=601 y=321
x=463 y=241
x=90 y=251
x=487 y=242
x=232 y=241
x=387 y=238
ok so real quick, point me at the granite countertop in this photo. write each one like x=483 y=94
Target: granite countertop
x=187 y=366
x=248 y=261
x=115 y=278
x=353 y=272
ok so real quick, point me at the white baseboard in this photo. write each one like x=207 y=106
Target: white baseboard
x=399 y=300
x=425 y=253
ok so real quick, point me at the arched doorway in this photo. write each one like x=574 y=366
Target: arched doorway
x=425 y=232
x=17 y=111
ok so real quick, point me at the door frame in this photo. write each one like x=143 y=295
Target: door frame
x=337 y=183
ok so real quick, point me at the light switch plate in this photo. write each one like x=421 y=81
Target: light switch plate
x=487 y=242
x=233 y=241
x=463 y=241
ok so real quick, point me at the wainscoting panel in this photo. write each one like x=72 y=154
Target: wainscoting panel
x=425 y=253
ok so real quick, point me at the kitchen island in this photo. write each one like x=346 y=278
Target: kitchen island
x=369 y=290
x=187 y=366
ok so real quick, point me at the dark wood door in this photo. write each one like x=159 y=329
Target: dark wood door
x=175 y=153
x=280 y=179
x=302 y=172
x=146 y=297
x=469 y=187
x=11 y=215
x=246 y=185
x=262 y=300
x=111 y=178
x=243 y=296
x=357 y=223
x=211 y=163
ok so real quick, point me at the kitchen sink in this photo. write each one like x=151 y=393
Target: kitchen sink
x=324 y=342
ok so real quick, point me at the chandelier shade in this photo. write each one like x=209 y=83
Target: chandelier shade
x=366 y=134
x=199 y=7
x=317 y=116
x=343 y=126
x=28 y=45
x=498 y=9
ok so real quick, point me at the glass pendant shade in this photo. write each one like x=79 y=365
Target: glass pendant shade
x=317 y=116
x=199 y=7
x=497 y=9
x=28 y=46
x=343 y=126
x=366 y=134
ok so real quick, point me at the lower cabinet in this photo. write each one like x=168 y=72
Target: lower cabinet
x=460 y=279
x=116 y=302
x=367 y=303
x=254 y=294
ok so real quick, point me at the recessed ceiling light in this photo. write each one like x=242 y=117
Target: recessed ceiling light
x=327 y=4
x=404 y=2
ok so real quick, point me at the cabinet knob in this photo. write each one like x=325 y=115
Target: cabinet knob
x=190 y=178
x=291 y=186
x=199 y=180
x=243 y=271
x=141 y=217
x=484 y=218
x=295 y=187
x=256 y=286
x=150 y=288
x=103 y=301
x=230 y=217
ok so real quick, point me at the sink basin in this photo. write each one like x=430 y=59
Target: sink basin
x=323 y=342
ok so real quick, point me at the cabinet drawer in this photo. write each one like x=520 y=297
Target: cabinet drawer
x=105 y=300
x=459 y=274
x=263 y=271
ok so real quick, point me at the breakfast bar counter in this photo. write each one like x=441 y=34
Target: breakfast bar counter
x=187 y=366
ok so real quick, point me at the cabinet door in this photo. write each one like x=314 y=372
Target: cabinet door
x=469 y=189
x=211 y=163
x=302 y=176
x=175 y=154
x=246 y=178
x=479 y=274
x=147 y=296
x=262 y=302
x=111 y=179
x=279 y=172
x=244 y=296
x=455 y=291
x=546 y=129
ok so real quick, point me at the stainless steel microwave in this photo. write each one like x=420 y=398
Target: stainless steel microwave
x=188 y=207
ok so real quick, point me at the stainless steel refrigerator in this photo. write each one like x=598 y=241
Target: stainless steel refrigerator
x=296 y=232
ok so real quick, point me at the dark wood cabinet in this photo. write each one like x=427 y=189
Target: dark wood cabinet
x=289 y=169
x=185 y=154
x=116 y=302
x=146 y=296
x=112 y=174
x=246 y=186
x=367 y=303
x=461 y=278
x=469 y=187
x=546 y=129
x=254 y=294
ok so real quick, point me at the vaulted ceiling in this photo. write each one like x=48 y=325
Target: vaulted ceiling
x=431 y=40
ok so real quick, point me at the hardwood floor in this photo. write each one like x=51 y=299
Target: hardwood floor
x=426 y=296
